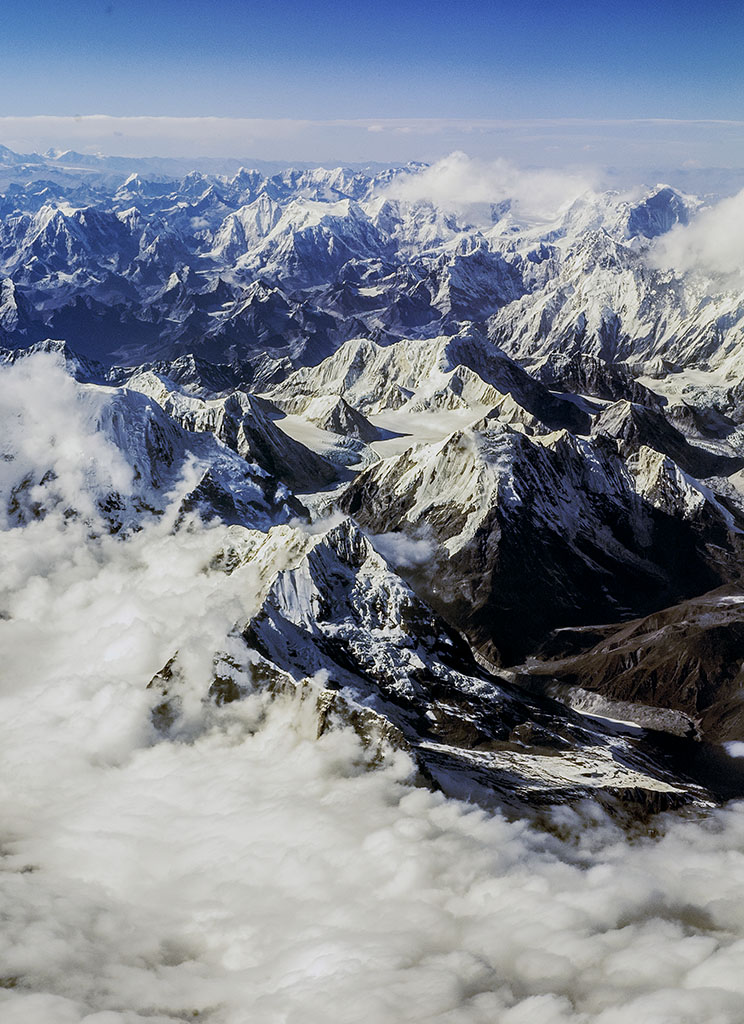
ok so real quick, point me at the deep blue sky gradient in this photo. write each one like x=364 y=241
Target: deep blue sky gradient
x=389 y=58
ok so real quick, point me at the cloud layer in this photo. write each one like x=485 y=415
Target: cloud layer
x=245 y=870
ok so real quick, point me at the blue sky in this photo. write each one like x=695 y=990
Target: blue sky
x=410 y=59
x=388 y=58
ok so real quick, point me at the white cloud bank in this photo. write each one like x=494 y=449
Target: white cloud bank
x=248 y=872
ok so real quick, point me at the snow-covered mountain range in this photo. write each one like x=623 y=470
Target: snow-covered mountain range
x=453 y=443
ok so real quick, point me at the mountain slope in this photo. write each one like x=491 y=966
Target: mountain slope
x=531 y=534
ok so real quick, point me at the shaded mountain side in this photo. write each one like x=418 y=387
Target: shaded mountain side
x=635 y=425
x=587 y=375
x=689 y=658
x=194 y=374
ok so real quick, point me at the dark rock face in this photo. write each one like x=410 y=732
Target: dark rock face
x=689 y=658
x=251 y=433
x=340 y=418
x=243 y=423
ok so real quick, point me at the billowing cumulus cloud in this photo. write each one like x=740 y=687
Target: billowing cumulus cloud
x=243 y=870
x=711 y=245
x=462 y=184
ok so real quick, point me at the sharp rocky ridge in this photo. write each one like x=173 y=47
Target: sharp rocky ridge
x=487 y=472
